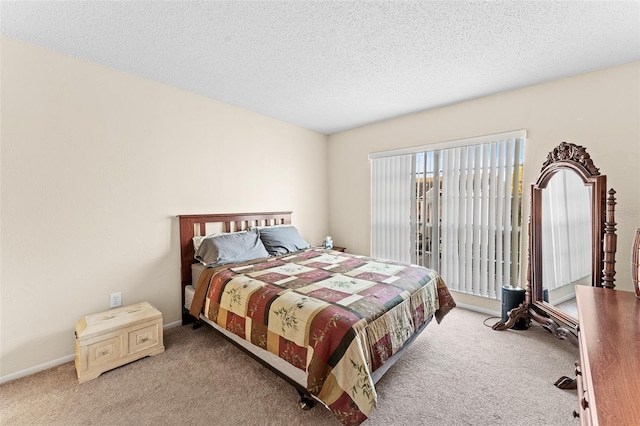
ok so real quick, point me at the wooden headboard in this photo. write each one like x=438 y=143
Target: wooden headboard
x=192 y=225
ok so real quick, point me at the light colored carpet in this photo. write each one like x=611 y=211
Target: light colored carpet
x=460 y=372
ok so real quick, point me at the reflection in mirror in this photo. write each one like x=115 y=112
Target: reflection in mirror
x=566 y=238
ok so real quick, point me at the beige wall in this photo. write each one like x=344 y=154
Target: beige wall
x=599 y=110
x=95 y=166
x=96 y=163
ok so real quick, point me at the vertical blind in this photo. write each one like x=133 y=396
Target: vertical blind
x=455 y=208
x=391 y=208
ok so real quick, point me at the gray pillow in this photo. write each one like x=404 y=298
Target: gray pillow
x=231 y=248
x=282 y=239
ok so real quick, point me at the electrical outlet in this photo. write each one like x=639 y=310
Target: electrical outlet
x=115 y=300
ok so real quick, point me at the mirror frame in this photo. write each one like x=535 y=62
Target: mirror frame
x=566 y=156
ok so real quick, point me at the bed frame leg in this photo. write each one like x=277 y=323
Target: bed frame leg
x=188 y=319
x=306 y=400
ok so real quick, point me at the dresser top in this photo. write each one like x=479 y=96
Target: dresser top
x=103 y=322
x=610 y=341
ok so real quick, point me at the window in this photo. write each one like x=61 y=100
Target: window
x=454 y=207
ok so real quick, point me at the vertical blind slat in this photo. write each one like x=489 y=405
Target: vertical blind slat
x=515 y=211
x=437 y=166
x=477 y=217
x=469 y=227
x=484 y=241
x=499 y=217
x=491 y=224
x=506 y=270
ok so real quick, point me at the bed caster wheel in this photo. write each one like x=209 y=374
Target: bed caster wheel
x=306 y=402
x=305 y=405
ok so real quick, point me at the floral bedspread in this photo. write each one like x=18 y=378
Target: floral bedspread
x=336 y=316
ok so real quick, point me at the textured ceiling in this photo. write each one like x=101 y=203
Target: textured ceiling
x=332 y=66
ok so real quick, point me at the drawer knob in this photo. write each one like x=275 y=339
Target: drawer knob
x=143 y=338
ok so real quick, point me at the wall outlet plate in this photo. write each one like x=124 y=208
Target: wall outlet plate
x=115 y=300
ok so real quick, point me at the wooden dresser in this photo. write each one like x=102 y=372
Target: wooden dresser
x=608 y=373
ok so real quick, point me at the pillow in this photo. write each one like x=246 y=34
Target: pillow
x=231 y=248
x=282 y=239
x=197 y=240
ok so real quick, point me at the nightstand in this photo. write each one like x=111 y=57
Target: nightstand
x=116 y=337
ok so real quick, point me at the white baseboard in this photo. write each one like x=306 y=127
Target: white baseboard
x=172 y=325
x=59 y=361
x=481 y=310
x=37 y=368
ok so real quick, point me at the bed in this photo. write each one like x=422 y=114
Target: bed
x=330 y=323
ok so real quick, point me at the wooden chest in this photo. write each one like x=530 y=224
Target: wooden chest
x=110 y=339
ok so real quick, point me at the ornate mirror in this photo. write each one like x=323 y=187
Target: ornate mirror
x=571 y=240
x=566 y=239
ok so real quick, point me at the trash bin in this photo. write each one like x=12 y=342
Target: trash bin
x=512 y=297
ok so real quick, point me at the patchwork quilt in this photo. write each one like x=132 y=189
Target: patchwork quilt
x=336 y=316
